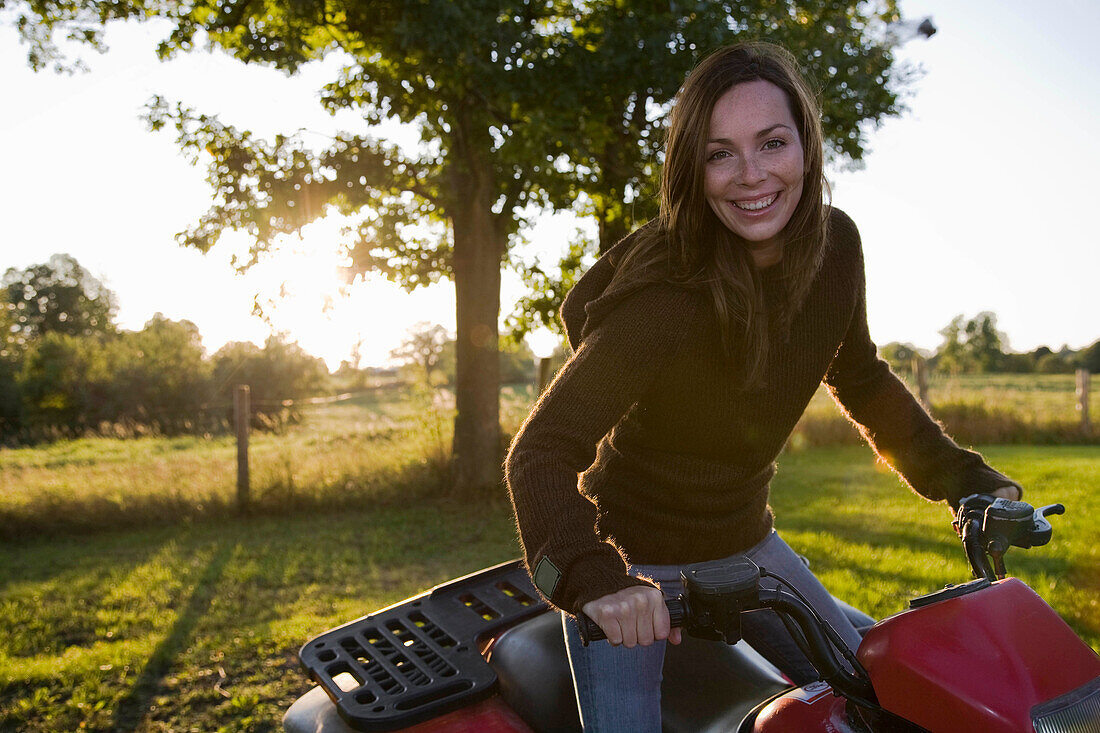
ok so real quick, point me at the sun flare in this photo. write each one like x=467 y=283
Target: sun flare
x=302 y=291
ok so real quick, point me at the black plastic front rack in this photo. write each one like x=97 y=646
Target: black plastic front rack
x=420 y=658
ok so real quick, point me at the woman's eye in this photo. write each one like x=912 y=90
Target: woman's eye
x=774 y=144
x=718 y=155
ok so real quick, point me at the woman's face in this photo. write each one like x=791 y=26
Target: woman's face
x=754 y=166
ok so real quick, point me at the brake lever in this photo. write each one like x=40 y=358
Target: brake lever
x=1040 y=528
x=973 y=507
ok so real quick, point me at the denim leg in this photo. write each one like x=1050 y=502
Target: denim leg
x=618 y=689
x=764 y=630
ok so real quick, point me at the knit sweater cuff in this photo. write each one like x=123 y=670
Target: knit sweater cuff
x=593 y=576
x=981 y=479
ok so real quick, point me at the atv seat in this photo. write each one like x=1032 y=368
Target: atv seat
x=707 y=686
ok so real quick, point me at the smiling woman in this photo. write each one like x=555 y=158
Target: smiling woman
x=697 y=343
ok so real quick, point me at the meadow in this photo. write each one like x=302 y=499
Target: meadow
x=134 y=597
x=1021 y=409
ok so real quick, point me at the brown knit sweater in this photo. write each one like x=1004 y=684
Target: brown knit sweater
x=645 y=449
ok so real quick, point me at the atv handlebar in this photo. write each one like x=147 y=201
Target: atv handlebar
x=591 y=631
x=718 y=592
x=989 y=526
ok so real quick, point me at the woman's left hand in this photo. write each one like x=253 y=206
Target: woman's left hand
x=1010 y=492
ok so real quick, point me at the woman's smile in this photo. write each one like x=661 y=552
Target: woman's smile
x=757 y=205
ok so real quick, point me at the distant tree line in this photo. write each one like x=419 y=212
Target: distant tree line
x=975 y=346
x=67 y=369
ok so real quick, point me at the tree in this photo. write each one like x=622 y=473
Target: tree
x=155 y=378
x=973 y=345
x=1018 y=363
x=1039 y=353
x=276 y=372
x=52 y=318
x=984 y=343
x=899 y=356
x=10 y=402
x=1089 y=358
x=11 y=409
x=519 y=105
x=951 y=356
x=1054 y=363
x=355 y=358
x=62 y=383
x=351 y=375
x=164 y=377
x=457 y=71
x=422 y=348
x=517 y=363
x=58 y=296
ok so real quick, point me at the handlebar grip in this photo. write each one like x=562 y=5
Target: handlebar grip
x=591 y=631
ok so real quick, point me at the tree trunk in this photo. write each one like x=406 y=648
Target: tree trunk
x=613 y=225
x=611 y=210
x=478 y=249
x=477 y=459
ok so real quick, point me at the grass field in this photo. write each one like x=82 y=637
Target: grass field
x=1021 y=409
x=121 y=609
x=344 y=453
x=1043 y=397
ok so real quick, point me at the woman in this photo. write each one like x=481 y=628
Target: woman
x=698 y=341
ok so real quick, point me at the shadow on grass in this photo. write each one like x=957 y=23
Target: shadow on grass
x=909 y=537
x=57 y=515
x=946 y=545
x=61 y=568
x=54 y=516
x=133 y=706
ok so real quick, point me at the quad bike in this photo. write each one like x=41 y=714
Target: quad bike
x=483 y=654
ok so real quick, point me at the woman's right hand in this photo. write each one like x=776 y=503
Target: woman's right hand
x=634 y=615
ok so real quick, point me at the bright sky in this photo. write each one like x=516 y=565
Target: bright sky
x=975 y=200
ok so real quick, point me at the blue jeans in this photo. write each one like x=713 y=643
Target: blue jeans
x=619 y=689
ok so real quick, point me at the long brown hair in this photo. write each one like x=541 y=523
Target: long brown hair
x=690 y=246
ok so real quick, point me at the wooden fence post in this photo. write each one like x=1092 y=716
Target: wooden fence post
x=242 y=419
x=920 y=376
x=544 y=374
x=1083 y=398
